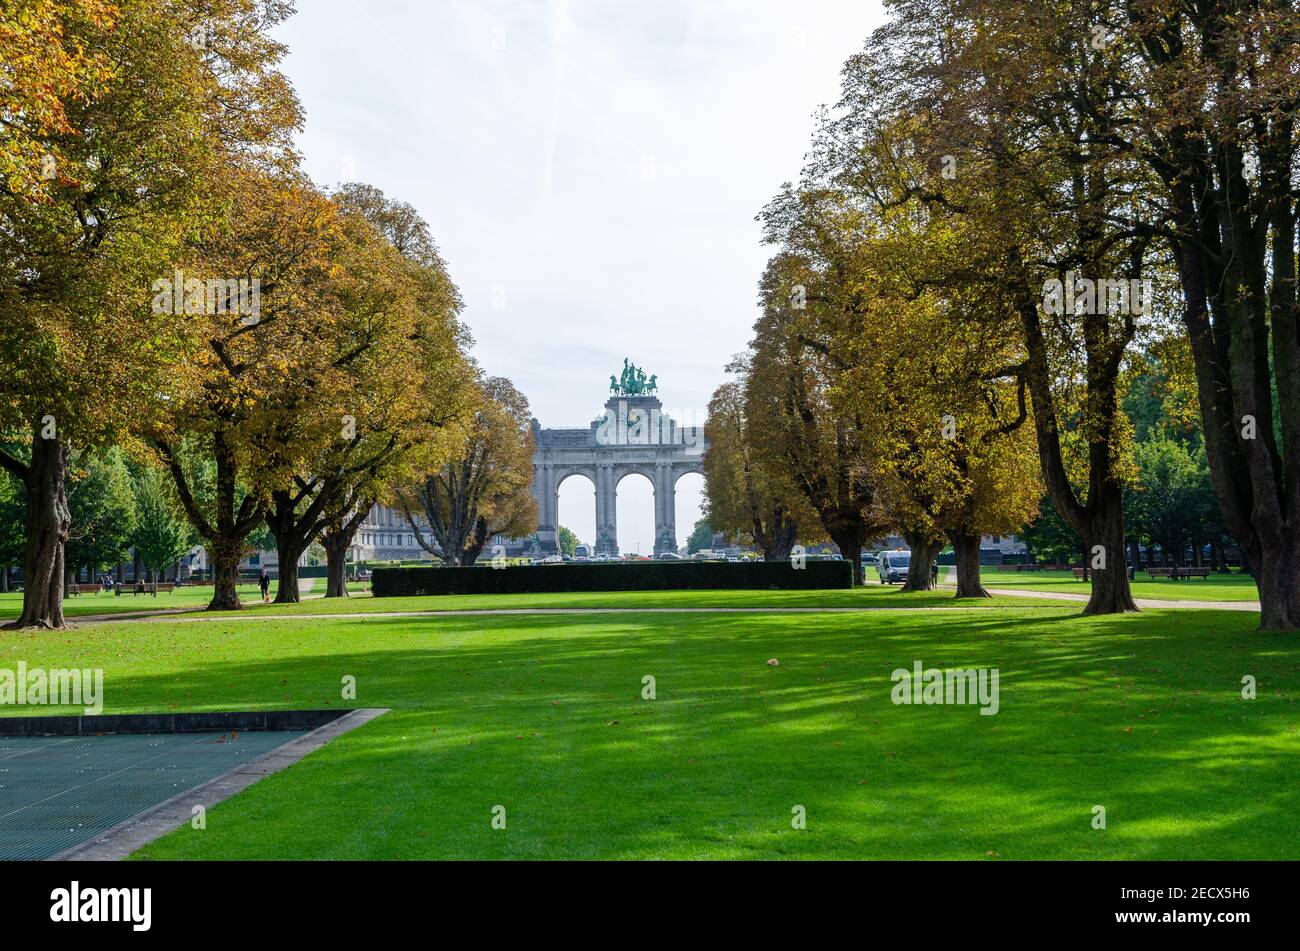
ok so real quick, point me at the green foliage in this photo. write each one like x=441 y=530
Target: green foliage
x=102 y=504
x=1173 y=503
x=701 y=537
x=13 y=517
x=568 y=542
x=1050 y=536
x=162 y=536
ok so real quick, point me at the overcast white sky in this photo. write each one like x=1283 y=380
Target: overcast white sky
x=591 y=170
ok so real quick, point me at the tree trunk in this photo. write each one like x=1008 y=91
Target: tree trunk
x=336 y=538
x=967 y=549
x=224 y=555
x=780 y=542
x=336 y=565
x=849 y=538
x=1110 y=587
x=289 y=546
x=475 y=546
x=924 y=551
x=48 y=523
x=286 y=591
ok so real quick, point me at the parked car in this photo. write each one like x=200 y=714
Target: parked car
x=892 y=566
x=669 y=556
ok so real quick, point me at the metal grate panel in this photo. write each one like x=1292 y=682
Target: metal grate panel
x=59 y=791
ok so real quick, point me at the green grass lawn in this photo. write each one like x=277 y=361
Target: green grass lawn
x=11 y=603
x=1233 y=587
x=194 y=598
x=875 y=596
x=871 y=596
x=543 y=715
x=1236 y=587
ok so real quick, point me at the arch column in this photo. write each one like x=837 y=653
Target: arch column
x=546 y=492
x=606 y=510
x=665 y=486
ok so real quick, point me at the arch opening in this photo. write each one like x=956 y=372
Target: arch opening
x=576 y=508
x=635 y=514
x=688 y=504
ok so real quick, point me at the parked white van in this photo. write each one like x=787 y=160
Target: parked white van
x=892 y=566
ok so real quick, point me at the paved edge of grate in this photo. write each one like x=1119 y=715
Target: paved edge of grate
x=141 y=829
x=247 y=721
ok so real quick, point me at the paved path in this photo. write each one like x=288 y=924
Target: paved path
x=197 y=617
x=1140 y=602
x=471 y=612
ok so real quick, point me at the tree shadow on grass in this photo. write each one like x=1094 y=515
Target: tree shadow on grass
x=544 y=715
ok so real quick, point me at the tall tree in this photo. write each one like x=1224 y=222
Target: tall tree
x=745 y=497
x=1167 y=500
x=484 y=490
x=1011 y=113
x=1212 y=91
x=162 y=536
x=82 y=354
x=259 y=395
x=102 y=507
x=824 y=450
x=409 y=419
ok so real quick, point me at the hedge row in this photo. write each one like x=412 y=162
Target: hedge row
x=634 y=576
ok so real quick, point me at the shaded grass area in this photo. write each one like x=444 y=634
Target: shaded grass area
x=194 y=597
x=197 y=596
x=544 y=716
x=1232 y=587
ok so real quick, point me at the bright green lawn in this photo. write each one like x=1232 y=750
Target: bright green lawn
x=11 y=604
x=1233 y=587
x=543 y=715
x=196 y=597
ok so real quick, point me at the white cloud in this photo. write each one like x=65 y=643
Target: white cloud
x=599 y=162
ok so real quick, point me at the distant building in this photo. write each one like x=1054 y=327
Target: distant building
x=386 y=535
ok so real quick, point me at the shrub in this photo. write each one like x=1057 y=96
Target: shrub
x=635 y=576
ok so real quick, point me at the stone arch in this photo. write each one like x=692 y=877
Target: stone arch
x=601 y=452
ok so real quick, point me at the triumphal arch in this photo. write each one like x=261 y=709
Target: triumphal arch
x=632 y=435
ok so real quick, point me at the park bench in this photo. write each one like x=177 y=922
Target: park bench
x=75 y=589
x=1175 y=574
x=1028 y=567
x=147 y=587
x=1080 y=572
